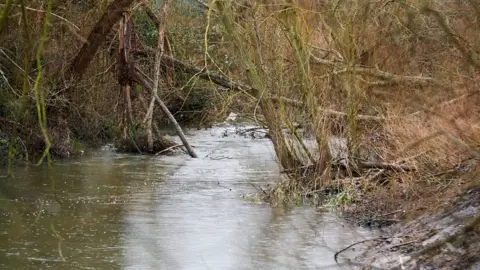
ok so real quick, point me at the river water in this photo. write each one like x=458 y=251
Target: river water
x=117 y=211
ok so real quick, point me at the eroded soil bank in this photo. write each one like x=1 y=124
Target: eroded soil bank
x=448 y=239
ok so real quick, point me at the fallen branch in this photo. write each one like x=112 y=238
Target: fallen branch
x=446 y=103
x=299 y=104
x=356 y=243
x=229 y=83
x=404 y=244
x=135 y=144
x=383 y=165
x=420 y=80
x=137 y=76
x=258 y=188
x=361 y=165
x=207 y=75
x=257 y=129
x=168 y=149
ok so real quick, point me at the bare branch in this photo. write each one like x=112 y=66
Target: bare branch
x=420 y=80
x=53 y=14
x=299 y=104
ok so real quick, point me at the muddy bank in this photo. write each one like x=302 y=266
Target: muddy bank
x=446 y=240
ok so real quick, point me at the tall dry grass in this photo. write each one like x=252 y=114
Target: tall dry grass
x=396 y=78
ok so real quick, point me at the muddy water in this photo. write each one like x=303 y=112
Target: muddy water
x=115 y=211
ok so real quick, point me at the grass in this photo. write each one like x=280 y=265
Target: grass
x=411 y=66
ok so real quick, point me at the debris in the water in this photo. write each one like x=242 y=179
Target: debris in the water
x=232 y=117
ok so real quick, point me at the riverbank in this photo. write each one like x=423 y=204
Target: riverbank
x=421 y=213
x=427 y=220
x=447 y=239
x=121 y=211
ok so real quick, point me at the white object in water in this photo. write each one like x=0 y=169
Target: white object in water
x=232 y=117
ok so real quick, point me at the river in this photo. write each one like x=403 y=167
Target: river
x=117 y=211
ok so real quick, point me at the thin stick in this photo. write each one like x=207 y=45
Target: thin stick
x=382 y=165
x=356 y=243
x=379 y=73
x=404 y=244
x=299 y=104
x=391 y=213
x=53 y=14
x=168 y=149
x=204 y=5
x=156 y=80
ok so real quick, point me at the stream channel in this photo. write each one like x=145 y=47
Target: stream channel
x=118 y=211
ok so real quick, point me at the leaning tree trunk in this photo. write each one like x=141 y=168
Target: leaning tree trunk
x=112 y=15
x=285 y=156
x=139 y=78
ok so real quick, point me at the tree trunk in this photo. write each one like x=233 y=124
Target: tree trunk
x=128 y=104
x=156 y=81
x=112 y=15
x=287 y=158
x=137 y=77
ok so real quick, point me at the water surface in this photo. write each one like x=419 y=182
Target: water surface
x=116 y=211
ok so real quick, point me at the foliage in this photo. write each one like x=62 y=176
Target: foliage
x=394 y=78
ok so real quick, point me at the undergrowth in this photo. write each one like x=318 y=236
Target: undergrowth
x=396 y=80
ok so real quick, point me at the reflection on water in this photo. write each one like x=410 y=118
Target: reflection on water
x=115 y=211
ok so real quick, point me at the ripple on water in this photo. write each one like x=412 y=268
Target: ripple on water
x=165 y=212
